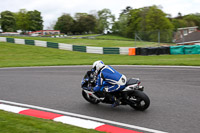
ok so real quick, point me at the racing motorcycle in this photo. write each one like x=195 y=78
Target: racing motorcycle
x=131 y=95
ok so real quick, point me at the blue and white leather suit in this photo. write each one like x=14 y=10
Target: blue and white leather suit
x=110 y=79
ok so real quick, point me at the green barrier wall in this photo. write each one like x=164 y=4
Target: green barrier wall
x=176 y=50
x=198 y=49
x=11 y=40
x=193 y=49
x=79 y=48
x=30 y=42
x=107 y=50
x=185 y=49
x=52 y=45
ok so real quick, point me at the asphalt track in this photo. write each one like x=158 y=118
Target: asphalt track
x=174 y=93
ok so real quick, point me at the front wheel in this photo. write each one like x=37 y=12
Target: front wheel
x=139 y=100
x=89 y=98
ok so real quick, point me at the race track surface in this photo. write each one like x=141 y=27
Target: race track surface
x=174 y=93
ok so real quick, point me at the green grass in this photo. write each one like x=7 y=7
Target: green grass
x=87 y=35
x=15 y=55
x=16 y=123
x=113 y=37
x=98 y=43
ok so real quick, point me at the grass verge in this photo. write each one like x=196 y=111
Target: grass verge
x=16 y=123
x=15 y=55
x=122 y=42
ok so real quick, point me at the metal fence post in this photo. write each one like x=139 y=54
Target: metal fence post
x=158 y=37
x=135 y=39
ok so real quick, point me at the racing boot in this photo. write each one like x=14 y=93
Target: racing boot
x=116 y=102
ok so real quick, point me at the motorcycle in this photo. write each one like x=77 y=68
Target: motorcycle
x=131 y=95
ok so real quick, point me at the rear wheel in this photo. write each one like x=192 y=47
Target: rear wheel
x=89 y=98
x=139 y=100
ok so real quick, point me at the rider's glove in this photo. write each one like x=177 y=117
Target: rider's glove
x=93 y=70
x=91 y=89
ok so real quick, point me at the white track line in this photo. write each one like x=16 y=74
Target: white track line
x=84 y=116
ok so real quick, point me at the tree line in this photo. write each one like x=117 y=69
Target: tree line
x=144 y=21
x=147 y=22
x=23 y=20
x=83 y=23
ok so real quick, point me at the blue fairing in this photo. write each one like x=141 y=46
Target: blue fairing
x=84 y=84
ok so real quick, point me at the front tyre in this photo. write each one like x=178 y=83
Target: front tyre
x=89 y=98
x=139 y=100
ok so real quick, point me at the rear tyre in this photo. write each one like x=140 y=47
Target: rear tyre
x=139 y=100
x=89 y=98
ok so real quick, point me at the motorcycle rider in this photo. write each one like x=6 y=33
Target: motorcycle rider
x=108 y=79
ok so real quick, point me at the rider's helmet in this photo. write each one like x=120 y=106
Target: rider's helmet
x=97 y=65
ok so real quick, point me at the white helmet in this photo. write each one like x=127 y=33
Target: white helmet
x=97 y=65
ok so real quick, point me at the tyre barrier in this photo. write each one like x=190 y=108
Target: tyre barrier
x=153 y=51
x=175 y=50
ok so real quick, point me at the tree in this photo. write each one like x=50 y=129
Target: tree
x=189 y=20
x=156 y=20
x=126 y=11
x=64 y=23
x=179 y=23
x=104 y=21
x=35 y=21
x=82 y=23
x=85 y=23
x=147 y=20
x=193 y=19
x=79 y=15
x=22 y=20
x=8 y=21
x=120 y=27
x=134 y=22
x=28 y=20
x=91 y=23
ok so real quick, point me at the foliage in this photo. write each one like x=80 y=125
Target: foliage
x=189 y=20
x=35 y=20
x=193 y=19
x=64 y=23
x=23 y=20
x=29 y=20
x=8 y=21
x=85 y=23
x=120 y=27
x=104 y=20
x=82 y=23
x=179 y=23
x=156 y=20
x=146 y=21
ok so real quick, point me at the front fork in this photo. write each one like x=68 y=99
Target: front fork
x=90 y=93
